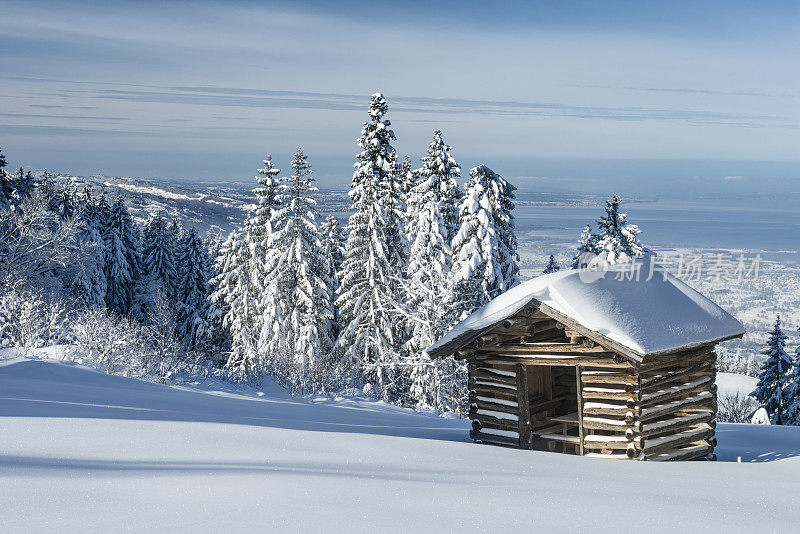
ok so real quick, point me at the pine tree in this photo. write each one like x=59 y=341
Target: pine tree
x=159 y=265
x=440 y=171
x=552 y=266
x=301 y=275
x=192 y=290
x=428 y=291
x=233 y=291
x=333 y=244
x=66 y=201
x=367 y=298
x=485 y=248
x=771 y=390
x=793 y=391
x=121 y=258
x=90 y=283
x=6 y=185
x=615 y=242
x=24 y=185
x=265 y=194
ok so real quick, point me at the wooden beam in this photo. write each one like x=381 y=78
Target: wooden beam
x=494 y=439
x=578 y=371
x=563 y=360
x=524 y=408
x=671 y=407
x=546 y=348
x=483 y=373
x=657 y=445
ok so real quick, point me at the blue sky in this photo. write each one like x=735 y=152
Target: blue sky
x=555 y=95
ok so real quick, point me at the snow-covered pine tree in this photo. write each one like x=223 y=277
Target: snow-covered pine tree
x=793 y=391
x=333 y=243
x=266 y=200
x=428 y=289
x=192 y=290
x=233 y=290
x=89 y=285
x=301 y=274
x=615 y=242
x=368 y=348
x=552 y=266
x=773 y=379
x=66 y=201
x=24 y=184
x=158 y=259
x=121 y=258
x=6 y=185
x=485 y=248
x=439 y=168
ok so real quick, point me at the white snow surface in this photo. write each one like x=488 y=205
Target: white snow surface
x=731 y=383
x=647 y=314
x=82 y=451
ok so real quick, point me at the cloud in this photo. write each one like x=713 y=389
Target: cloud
x=71 y=117
x=734 y=178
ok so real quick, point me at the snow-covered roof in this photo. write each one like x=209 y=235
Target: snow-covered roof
x=640 y=313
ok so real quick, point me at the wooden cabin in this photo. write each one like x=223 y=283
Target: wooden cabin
x=601 y=364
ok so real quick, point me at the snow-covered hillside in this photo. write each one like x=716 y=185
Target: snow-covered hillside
x=86 y=452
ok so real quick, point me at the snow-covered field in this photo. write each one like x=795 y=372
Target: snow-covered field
x=81 y=451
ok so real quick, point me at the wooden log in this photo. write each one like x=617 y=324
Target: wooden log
x=677 y=423
x=488 y=339
x=657 y=445
x=546 y=348
x=472 y=381
x=694 y=450
x=607 y=393
x=604 y=408
x=524 y=423
x=549 y=359
x=498 y=405
x=649 y=384
x=599 y=377
x=676 y=392
x=701 y=398
x=617 y=425
x=494 y=439
x=596 y=441
x=500 y=393
x=581 y=431
x=489 y=421
x=484 y=373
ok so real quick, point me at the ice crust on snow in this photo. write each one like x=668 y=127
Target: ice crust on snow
x=645 y=313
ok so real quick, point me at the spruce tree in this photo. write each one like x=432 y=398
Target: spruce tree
x=233 y=290
x=333 y=243
x=552 y=266
x=440 y=171
x=771 y=390
x=192 y=290
x=89 y=285
x=302 y=277
x=24 y=185
x=615 y=242
x=793 y=391
x=121 y=258
x=368 y=345
x=485 y=248
x=6 y=185
x=159 y=263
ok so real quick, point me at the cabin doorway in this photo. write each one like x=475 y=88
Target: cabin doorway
x=553 y=400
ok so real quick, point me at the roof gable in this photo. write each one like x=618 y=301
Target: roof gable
x=636 y=315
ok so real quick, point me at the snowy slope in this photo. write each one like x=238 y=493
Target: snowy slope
x=730 y=383
x=85 y=452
